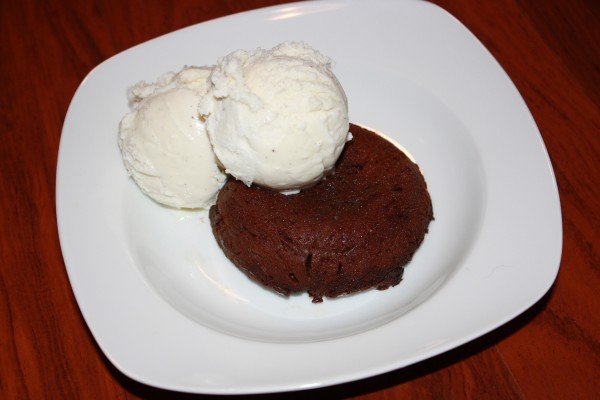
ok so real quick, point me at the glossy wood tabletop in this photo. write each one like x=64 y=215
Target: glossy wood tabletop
x=550 y=49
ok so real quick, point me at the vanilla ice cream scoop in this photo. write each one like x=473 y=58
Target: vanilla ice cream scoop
x=277 y=118
x=164 y=144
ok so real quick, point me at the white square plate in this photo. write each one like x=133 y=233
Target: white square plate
x=168 y=309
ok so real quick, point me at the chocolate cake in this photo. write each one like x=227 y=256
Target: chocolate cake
x=354 y=230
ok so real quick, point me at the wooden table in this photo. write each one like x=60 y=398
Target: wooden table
x=550 y=49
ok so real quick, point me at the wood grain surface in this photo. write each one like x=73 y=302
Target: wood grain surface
x=550 y=49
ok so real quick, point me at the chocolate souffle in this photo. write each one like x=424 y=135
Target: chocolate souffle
x=353 y=231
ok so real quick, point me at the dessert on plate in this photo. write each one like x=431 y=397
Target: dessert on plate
x=299 y=198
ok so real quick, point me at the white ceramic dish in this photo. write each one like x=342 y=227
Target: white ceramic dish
x=169 y=310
